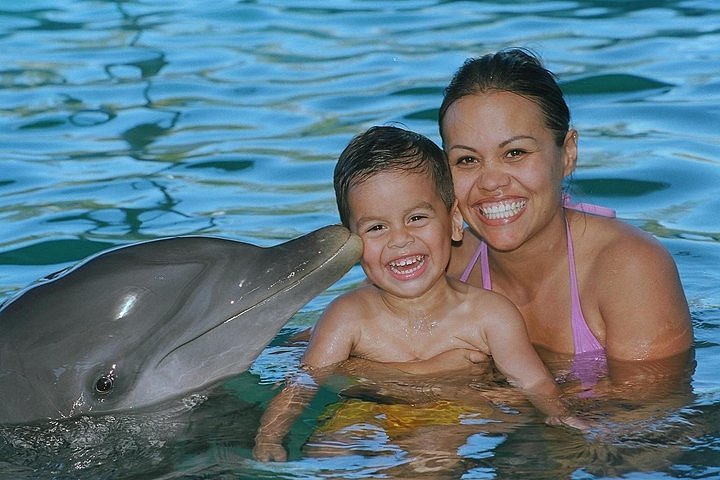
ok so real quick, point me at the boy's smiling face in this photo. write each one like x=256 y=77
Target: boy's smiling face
x=406 y=231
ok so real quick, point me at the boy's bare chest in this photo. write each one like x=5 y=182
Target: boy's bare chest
x=414 y=341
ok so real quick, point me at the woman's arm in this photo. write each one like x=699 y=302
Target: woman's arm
x=641 y=301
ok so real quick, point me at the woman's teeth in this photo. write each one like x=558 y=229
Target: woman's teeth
x=502 y=210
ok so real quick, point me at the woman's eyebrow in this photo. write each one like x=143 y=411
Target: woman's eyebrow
x=515 y=138
x=501 y=144
x=462 y=147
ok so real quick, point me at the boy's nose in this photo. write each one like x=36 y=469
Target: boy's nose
x=400 y=237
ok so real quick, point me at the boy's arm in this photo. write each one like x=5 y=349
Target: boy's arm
x=280 y=415
x=331 y=342
x=335 y=334
x=516 y=358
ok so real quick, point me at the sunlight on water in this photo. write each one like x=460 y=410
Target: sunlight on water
x=132 y=120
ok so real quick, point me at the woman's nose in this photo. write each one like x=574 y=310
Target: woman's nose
x=493 y=177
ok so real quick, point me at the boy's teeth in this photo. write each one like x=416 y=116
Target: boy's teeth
x=503 y=209
x=406 y=261
x=407 y=265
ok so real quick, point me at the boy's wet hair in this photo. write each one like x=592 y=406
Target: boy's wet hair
x=387 y=148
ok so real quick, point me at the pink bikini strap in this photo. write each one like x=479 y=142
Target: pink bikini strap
x=471 y=264
x=587 y=207
x=583 y=338
x=480 y=253
x=485 y=266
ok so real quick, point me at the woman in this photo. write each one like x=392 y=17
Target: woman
x=587 y=285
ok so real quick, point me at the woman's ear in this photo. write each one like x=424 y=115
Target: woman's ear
x=457 y=222
x=570 y=152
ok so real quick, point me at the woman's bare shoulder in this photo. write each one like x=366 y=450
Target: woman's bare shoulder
x=613 y=244
x=633 y=276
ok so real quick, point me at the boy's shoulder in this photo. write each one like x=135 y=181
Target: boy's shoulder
x=364 y=293
x=355 y=303
x=481 y=300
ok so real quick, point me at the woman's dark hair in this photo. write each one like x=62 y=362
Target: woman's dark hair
x=514 y=70
x=387 y=148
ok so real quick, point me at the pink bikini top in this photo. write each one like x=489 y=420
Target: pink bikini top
x=585 y=344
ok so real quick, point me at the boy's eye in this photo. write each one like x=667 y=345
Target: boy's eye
x=417 y=218
x=375 y=228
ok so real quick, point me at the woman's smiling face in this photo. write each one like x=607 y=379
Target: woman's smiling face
x=506 y=166
x=406 y=231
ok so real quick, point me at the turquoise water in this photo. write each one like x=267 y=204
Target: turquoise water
x=131 y=120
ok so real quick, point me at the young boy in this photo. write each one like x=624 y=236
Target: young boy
x=394 y=189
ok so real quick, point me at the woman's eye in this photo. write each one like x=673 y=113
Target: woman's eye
x=515 y=154
x=417 y=218
x=466 y=161
x=375 y=228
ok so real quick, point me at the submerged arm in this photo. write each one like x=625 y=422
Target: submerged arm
x=280 y=415
x=517 y=359
x=331 y=342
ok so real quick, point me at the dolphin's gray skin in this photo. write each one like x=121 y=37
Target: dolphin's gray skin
x=145 y=323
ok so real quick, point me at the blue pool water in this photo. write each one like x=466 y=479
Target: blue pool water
x=131 y=120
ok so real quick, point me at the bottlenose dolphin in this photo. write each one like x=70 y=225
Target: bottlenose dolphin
x=137 y=325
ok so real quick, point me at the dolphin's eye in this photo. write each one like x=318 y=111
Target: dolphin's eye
x=104 y=385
